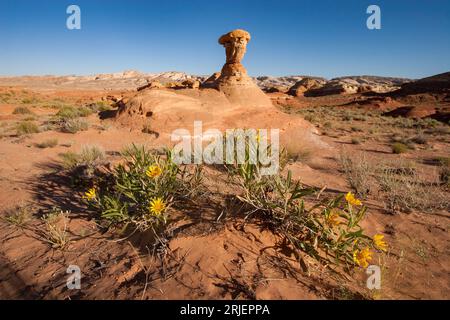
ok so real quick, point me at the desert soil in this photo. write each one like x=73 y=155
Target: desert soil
x=212 y=255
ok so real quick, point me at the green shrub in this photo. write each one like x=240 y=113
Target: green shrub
x=141 y=190
x=26 y=127
x=70 y=112
x=329 y=232
x=399 y=147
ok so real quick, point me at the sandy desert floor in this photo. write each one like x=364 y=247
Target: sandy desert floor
x=214 y=252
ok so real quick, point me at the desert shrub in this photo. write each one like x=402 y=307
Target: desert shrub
x=99 y=106
x=54 y=231
x=70 y=112
x=428 y=123
x=22 y=110
x=399 y=147
x=444 y=171
x=360 y=118
x=310 y=118
x=358 y=170
x=30 y=100
x=328 y=125
x=141 y=190
x=19 y=217
x=49 y=143
x=329 y=232
x=356 y=140
x=74 y=125
x=90 y=156
x=419 y=139
x=26 y=127
x=356 y=129
x=404 y=189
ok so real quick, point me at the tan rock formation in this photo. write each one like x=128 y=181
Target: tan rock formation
x=234 y=81
x=304 y=85
x=234 y=101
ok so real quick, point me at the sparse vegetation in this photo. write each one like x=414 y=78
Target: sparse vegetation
x=404 y=190
x=26 y=127
x=444 y=171
x=19 y=216
x=49 y=143
x=22 y=110
x=70 y=112
x=54 y=231
x=74 y=125
x=399 y=148
x=357 y=169
x=90 y=156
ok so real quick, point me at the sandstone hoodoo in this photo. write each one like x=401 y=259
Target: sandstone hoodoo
x=234 y=81
x=226 y=100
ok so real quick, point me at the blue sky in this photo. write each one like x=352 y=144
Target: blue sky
x=322 y=38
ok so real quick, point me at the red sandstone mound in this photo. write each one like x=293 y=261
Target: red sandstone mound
x=439 y=83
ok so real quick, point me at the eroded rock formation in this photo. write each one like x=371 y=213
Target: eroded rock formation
x=234 y=81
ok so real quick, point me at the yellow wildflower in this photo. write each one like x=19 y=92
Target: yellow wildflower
x=333 y=218
x=153 y=171
x=90 y=195
x=379 y=242
x=362 y=257
x=352 y=200
x=157 y=206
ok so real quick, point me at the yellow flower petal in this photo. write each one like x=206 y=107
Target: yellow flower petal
x=153 y=171
x=90 y=194
x=352 y=200
x=362 y=257
x=379 y=242
x=157 y=206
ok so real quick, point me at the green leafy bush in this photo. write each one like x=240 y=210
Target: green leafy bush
x=329 y=232
x=141 y=190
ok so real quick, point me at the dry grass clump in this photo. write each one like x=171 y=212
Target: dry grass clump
x=358 y=170
x=444 y=171
x=71 y=112
x=19 y=217
x=398 y=148
x=22 y=110
x=74 y=125
x=90 y=156
x=54 y=231
x=26 y=127
x=49 y=143
x=404 y=188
